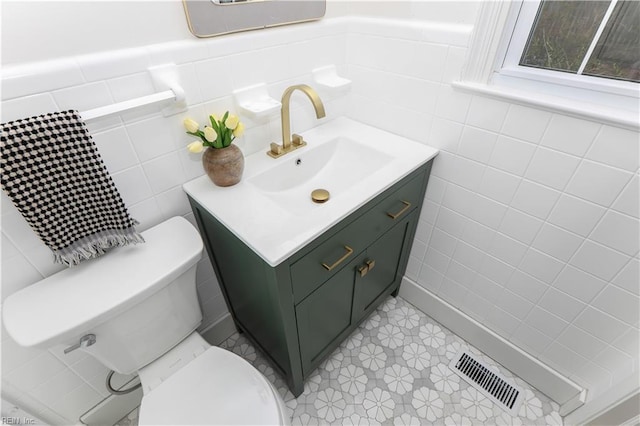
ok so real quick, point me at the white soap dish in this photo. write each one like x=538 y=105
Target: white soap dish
x=255 y=102
x=328 y=79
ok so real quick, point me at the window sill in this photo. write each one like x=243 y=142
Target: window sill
x=607 y=115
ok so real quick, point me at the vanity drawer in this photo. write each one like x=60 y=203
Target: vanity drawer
x=322 y=262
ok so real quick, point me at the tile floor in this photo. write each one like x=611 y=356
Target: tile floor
x=393 y=370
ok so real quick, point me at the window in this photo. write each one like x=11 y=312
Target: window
x=589 y=45
x=598 y=38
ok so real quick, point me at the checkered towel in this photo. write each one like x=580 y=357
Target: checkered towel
x=53 y=173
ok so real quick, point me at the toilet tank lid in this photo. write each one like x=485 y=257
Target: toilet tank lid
x=75 y=299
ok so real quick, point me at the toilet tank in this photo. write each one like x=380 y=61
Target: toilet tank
x=139 y=300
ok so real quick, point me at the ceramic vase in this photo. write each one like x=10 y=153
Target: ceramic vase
x=224 y=166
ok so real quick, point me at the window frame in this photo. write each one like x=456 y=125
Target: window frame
x=508 y=72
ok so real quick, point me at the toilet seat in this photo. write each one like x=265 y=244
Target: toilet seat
x=217 y=387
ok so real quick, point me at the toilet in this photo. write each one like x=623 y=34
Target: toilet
x=136 y=310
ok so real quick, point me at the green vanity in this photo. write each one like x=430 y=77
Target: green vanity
x=298 y=277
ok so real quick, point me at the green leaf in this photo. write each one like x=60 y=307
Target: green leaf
x=201 y=134
x=214 y=124
x=224 y=118
x=219 y=138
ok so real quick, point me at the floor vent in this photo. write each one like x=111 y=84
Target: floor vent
x=491 y=384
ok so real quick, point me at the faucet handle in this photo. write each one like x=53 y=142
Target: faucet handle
x=297 y=140
x=276 y=149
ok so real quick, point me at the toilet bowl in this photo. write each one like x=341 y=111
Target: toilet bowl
x=136 y=310
x=216 y=387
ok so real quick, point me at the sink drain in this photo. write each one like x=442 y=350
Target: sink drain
x=319 y=196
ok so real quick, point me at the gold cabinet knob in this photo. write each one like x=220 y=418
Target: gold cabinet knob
x=363 y=270
x=371 y=264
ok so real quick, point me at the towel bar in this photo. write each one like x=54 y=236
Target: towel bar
x=175 y=93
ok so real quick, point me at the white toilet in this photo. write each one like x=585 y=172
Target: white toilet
x=140 y=303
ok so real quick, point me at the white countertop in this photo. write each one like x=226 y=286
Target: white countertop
x=276 y=229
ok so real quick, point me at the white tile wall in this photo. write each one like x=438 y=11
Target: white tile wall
x=526 y=286
x=511 y=155
x=486 y=113
x=525 y=123
x=551 y=168
x=627 y=202
x=528 y=216
x=536 y=200
x=546 y=205
x=598 y=183
x=564 y=215
x=557 y=242
x=629 y=277
x=599 y=260
x=570 y=135
x=616 y=147
x=579 y=284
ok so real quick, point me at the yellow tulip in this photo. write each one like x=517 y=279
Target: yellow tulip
x=232 y=121
x=210 y=134
x=195 y=147
x=191 y=125
x=239 y=130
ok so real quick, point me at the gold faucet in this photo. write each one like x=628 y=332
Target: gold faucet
x=290 y=143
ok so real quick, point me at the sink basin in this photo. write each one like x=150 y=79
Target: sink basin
x=271 y=209
x=335 y=166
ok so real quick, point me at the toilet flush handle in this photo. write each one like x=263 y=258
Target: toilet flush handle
x=86 y=340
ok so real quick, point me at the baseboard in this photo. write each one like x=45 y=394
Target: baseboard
x=623 y=414
x=113 y=408
x=565 y=392
x=616 y=404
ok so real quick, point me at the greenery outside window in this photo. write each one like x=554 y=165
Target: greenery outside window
x=598 y=38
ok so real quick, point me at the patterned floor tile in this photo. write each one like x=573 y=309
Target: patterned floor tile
x=393 y=370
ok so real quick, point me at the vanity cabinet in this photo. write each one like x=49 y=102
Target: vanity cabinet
x=299 y=311
x=330 y=313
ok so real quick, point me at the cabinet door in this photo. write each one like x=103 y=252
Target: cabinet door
x=381 y=268
x=324 y=316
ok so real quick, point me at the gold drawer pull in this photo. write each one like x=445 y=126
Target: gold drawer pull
x=339 y=261
x=406 y=207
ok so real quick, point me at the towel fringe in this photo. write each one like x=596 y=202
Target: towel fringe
x=95 y=245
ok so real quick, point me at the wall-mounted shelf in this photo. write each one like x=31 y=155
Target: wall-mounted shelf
x=327 y=78
x=255 y=102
